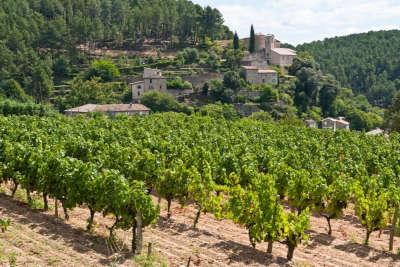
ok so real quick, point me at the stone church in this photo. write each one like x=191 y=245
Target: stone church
x=268 y=52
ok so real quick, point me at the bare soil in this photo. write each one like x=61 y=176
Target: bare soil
x=37 y=238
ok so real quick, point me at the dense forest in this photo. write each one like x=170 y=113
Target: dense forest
x=369 y=63
x=38 y=38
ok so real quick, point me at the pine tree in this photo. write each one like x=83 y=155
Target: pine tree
x=236 y=41
x=252 y=42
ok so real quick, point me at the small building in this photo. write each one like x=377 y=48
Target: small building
x=110 y=109
x=153 y=80
x=377 y=131
x=335 y=124
x=255 y=75
x=311 y=123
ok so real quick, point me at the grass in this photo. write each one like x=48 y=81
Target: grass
x=4 y=224
x=152 y=260
x=353 y=238
x=12 y=259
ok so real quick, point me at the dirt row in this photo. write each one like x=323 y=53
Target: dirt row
x=36 y=238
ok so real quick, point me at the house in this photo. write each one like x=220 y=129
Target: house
x=377 y=131
x=335 y=124
x=269 y=49
x=111 y=109
x=255 y=75
x=311 y=123
x=153 y=80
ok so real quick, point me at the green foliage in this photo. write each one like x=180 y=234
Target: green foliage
x=219 y=111
x=236 y=44
x=314 y=89
x=363 y=62
x=258 y=209
x=154 y=260
x=4 y=224
x=10 y=107
x=12 y=89
x=188 y=56
x=371 y=206
x=295 y=230
x=252 y=40
x=179 y=83
x=103 y=69
x=233 y=168
x=232 y=81
x=261 y=116
x=163 y=102
x=93 y=91
x=41 y=37
x=392 y=115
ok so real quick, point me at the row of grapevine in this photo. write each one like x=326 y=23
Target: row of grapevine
x=268 y=178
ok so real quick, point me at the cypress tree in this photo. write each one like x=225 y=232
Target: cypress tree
x=252 y=42
x=236 y=41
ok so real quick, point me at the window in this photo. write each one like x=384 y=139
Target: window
x=139 y=87
x=160 y=87
x=151 y=80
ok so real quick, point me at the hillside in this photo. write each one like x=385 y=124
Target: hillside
x=369 y=63
x=41 y=40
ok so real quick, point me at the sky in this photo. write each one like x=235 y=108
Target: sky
x=299 y=21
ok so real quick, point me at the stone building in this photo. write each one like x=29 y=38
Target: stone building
x=153 y=80
x=110 y=109
x=255 y=75
x=335 y=124
x=268 y=48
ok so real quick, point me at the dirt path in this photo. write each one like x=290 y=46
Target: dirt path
x=39 y=239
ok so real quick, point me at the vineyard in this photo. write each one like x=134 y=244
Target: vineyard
x=268 y=178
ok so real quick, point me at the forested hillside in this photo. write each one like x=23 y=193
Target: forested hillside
x=38 y=38
x=369 y=63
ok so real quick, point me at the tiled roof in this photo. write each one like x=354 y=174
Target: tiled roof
x=284 y=51
x=341 y=121
x=267 y=71
x=250 y=67
x=108 y=108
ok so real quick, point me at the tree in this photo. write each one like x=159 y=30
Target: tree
x=92 y=91
x=252 y=41
x=392 y=115
x=232 y=80
x=162 y=102
x=236 y=44
x=12 y=89
x=219 y=111
x=104 y=69
x=42 y=83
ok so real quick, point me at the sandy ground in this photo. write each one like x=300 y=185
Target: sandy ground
x=36 y=238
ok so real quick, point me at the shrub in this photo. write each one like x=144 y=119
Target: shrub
x=104 y=69
x=179 y=83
